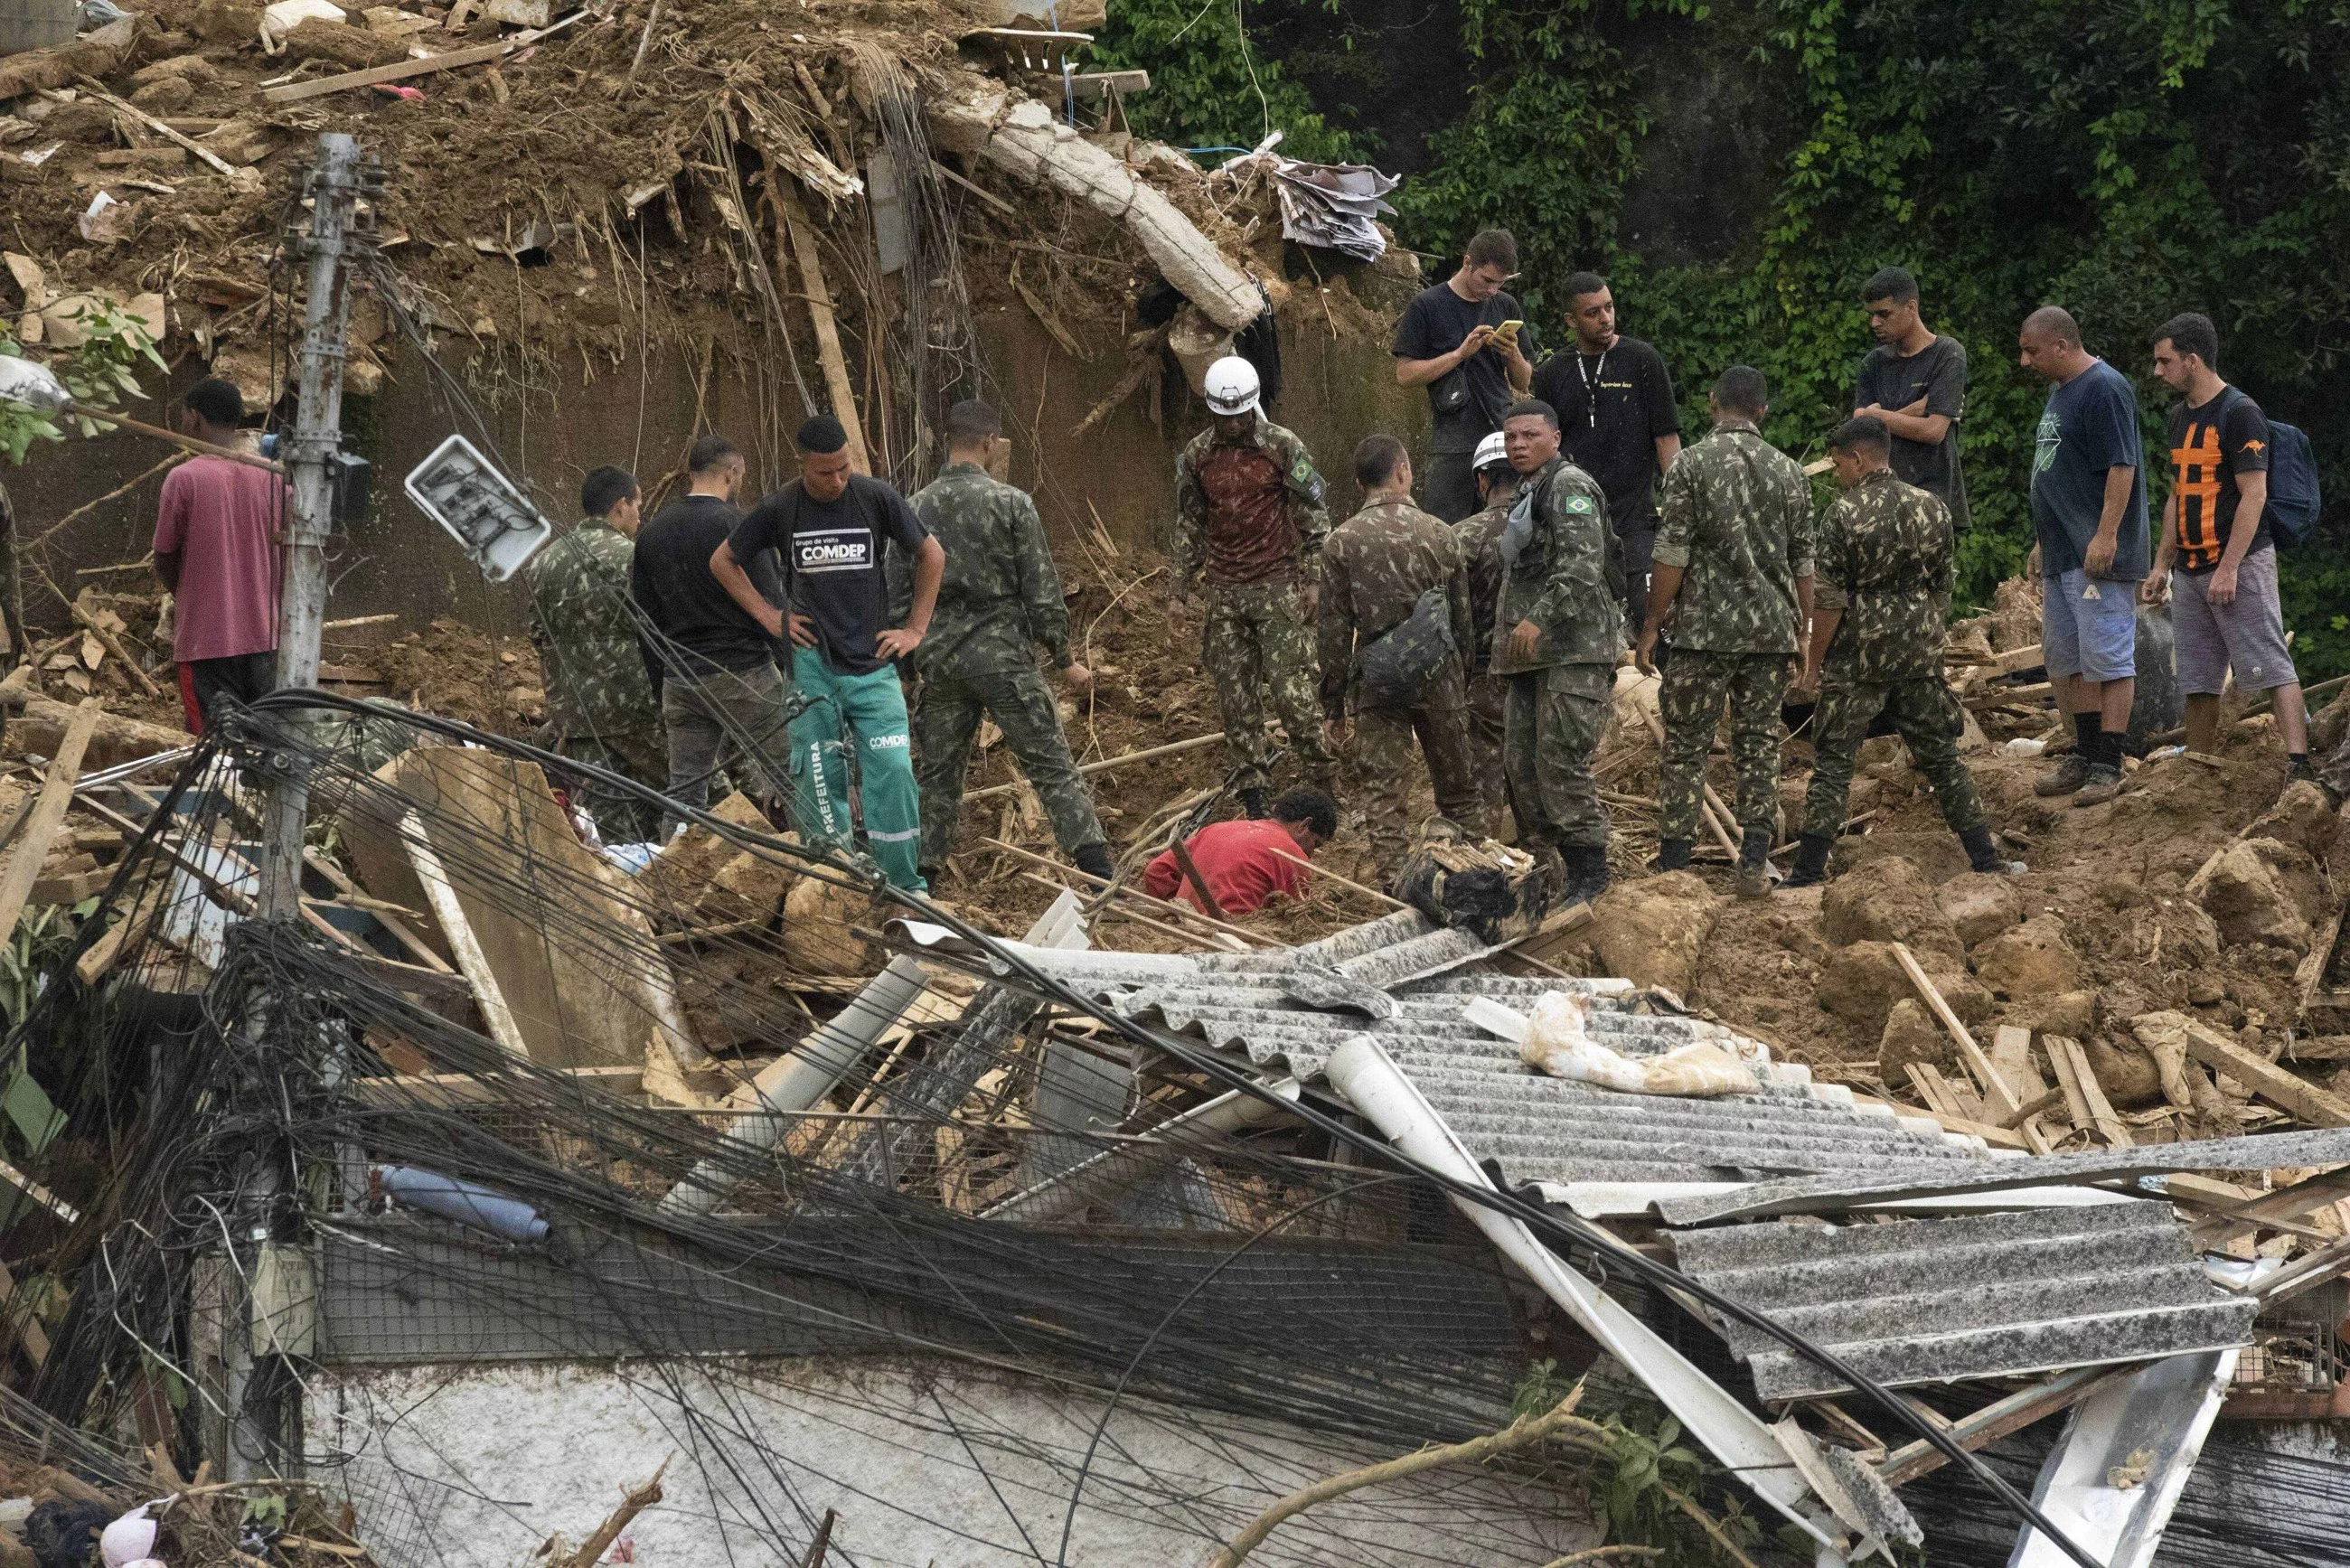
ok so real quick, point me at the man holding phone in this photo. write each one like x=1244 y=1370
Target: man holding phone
x=1466 y=341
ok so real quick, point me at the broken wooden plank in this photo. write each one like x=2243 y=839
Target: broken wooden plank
x=793 y=219
x=1927 y=1079
x=100 y=957
x=219 y=165
x=2109 y=1125
x=1102 y=84
x=1999 y=1096
x=471 y=963
x=2269 y=1082
x=385 y=916
x=1996 y=1420
x=48 y=816
x=2230 y=1211
x=400 y=71
x=1106 y=764
x=1997 y=1137
x=2068 y=1081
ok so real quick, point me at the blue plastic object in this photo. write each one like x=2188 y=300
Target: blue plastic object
x=464 y=1202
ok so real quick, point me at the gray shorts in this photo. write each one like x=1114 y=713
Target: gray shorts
x=2248 y=633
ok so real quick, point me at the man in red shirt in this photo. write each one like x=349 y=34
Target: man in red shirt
x=216 y=549
x=1243 y=859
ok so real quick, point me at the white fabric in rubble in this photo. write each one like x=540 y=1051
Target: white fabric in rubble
x=1334 y=205
x=1559 y=1043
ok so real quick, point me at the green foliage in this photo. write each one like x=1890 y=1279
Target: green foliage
x=99 y=372
x=1210 y=87
x=1636 y=1485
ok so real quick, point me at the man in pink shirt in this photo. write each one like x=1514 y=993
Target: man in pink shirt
x=216 y=534
x=1247 y=860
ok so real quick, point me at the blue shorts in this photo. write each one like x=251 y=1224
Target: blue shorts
x=2089 y=627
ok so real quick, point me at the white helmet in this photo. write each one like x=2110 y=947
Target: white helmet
x=1494 y=449
x=1230 y=386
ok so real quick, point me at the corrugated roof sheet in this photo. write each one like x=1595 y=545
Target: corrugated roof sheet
x=1922 y=1300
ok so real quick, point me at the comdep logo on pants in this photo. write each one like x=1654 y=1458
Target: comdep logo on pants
x=833 y=550
x=887 y=742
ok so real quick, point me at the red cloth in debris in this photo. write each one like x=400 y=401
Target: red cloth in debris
x=1238 y=860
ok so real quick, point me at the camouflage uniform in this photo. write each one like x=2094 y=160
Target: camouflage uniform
x=1000 y=596
x=1481 y=553
x=1737 y=520
x=599 y=699
x=1249 y=519
x=1375 y=568
x=1884 y=563
x=1567 y=580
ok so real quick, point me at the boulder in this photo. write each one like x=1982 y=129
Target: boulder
x=2124 y=1070
x=1911 y=1035
x=1651 y=931
x=2036 y=959
x=1862 y=982
x=683 y=881
x=355 y=48
x=1979 y=905
x=192 y=67
x=2303 y=818
x=2071 y=1013
x=2186 y=934
x=1891 y=902
x=817 y=939
x=2299 y=874
x=2248 y=902
x=165 y=94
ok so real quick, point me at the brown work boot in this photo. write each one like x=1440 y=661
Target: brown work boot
x=2064 y=778
x=1753 y=879
x=2104 y=783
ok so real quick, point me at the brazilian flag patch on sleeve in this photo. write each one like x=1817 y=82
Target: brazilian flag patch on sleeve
x=1576 y=506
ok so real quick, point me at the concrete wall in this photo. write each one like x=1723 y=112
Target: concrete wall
x=928 y=1464
x=1336 y=391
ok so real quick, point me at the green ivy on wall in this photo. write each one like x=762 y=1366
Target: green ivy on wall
x=1210 y=87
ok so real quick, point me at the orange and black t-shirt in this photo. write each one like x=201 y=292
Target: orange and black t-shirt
x=2209 y=446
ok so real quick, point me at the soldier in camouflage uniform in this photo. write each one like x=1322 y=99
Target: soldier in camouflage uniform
x=1733 y=571
x=1881 y=606
x=999 y=598
x=1376 y=568
x=583 y=624
x=1249 y=521
x=1481 y=552
x=1556 y=634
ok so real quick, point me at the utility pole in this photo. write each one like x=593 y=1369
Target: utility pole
x=333 y=187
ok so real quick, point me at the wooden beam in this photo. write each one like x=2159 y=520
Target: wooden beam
x=792 y=218
x=219 y=165
x=2269 y=1082
x=471 y=962
x=2001 y=1098
x=401 y=931
x=2109 y=1125
x=1101 y=84
x=48 y=815
x=2241 y=1214
x=1105 y=764
x=1994 y=1421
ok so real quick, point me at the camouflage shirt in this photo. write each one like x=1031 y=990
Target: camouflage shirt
x=584 y=627
x=1737 y=519
x=1248 y=513
x=1000 y=595
x=1885 y=562
x=1481 y=553
x=1375 y=567
x=1561 y=580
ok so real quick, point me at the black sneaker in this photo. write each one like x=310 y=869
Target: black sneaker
x=2064 y=778
x=2302 y=772
x=2103 y=784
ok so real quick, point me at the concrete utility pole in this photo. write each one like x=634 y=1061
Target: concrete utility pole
x=333 y=189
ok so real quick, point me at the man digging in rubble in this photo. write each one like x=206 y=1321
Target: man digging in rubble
x=999 y=597
x=1394 y=609
x=598 y=697
x=1246 y=861
x=711 y=662
x=1481 y=553
x=1733 y=572
x=830 y=526
x=1560 y=602
x=1249 y=521
x=1880 y=608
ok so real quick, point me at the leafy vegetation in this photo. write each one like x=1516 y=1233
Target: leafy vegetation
x=2129 y=160
x=99 y=372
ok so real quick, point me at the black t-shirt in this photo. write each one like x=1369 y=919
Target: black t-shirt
x=1433 y=325
x=1631 y=393
x=2209 y=447
x=832 y=560
x=1938 y=373
x=669 y=578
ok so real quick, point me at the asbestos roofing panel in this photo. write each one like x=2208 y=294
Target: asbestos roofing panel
x=1927 y=1301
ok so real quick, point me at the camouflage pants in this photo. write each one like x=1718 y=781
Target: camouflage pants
x=1487 y=698
x=946 y=722
x=1925 y=714
x=1696 y=686
x=1553 y=725
x=1257 y=640
x=1388 y=764
x=2334 y=773
x=641 y=755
